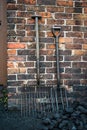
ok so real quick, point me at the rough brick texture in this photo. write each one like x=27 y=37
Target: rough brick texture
x=71 y=16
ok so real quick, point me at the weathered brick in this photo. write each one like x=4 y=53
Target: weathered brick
x=29 y=64
x=10 y=65
x=79 y=40
x=79 y=76
x=65 y=64
x=32 y=2
x=74 y=34
x=12 y=71
x=16 y=70
x=45 y=64
x=54 y=9
x=79 y=64
x=80 y=16
x=63 y=16
x=11 y=6
x=47 y=40
x=24 y=14
x=65 y=52
x=47 y=2
x=73 y=46
x=50 y=46
x=14 y=45
x=65 y=76
x=26 y=52
x=53 y=58
x=46 y=14
x=79 y=52
x=73 y=10
x=85 y=22
x=11 y=77
x=84 y=58
x=54 y=21
x=85 y=35
x=83 y=82
x=26 y=76
x=80 y=4
x=65 y=3
x=16 y=58
x=72 y=70
x=46 y=52
x=46 y=76
x=16 y=20
x=78 y=28
x=15 y=83
x=85 y=10
x=85 y=46
x=74 y=22
x=26 y=39
x=72 y=58
x=65 y=40
x=71 y=82
x=11 y=52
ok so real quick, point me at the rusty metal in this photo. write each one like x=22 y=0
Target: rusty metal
x=57 y=32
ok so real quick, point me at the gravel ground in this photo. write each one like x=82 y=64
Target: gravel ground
x=74 y=118
x=12 y=120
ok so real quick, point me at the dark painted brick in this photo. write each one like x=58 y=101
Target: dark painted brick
x=11 y=77
x=47 y=2
x=72 y=70
x=72 y=58
x=47 y=40
x=15 y=83
x=71 y=82
x=26 y=52
x=25 y=76
x=45 y=64
x=10 y=1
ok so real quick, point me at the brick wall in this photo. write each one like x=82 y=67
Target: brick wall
x=71 y=16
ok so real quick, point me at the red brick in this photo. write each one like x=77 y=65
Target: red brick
x=73 y=46
x=85 y=46
x=45 y=14
x=47 y=2
x=55 y=9
x=16 y=58
x=32 y=2
x=74 y=22
x=79 y=52
x=74 y=34
x=50 y=46
x=11 y=52
x=14 y=45
x=65 y=3
x=54 y=21
x=11 y=6
x=80 y=16
x=63 y=16
x=10 y=64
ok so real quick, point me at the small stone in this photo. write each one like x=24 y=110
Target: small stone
x=46 y=121
x=73 y=128
x=56 y=116
x=63 y=123
x=69 y=110
x=82 y=109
